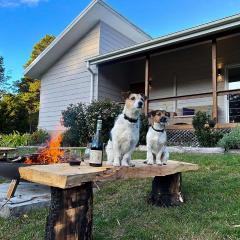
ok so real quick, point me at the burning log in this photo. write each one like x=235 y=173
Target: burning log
x=49 y=155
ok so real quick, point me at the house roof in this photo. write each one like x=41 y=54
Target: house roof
x=171 y=39
x=96 y=11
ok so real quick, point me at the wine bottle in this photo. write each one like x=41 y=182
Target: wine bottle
x=96 y=151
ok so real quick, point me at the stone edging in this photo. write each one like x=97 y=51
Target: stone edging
x=177 y=149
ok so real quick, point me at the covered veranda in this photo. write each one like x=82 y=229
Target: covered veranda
x=194 y=70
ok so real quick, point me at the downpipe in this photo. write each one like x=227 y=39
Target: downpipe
x=92 y=82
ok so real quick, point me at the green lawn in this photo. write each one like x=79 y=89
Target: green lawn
x=211 y=211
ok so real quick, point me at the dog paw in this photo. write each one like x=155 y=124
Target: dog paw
x=116 y=164
x=109 y=163
x=125 y=164
x=164 y=164
x=150 y=163
x=159 y=163
x=131 y=164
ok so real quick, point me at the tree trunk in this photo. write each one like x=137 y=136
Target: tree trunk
x=166 y=191
x=70 y=216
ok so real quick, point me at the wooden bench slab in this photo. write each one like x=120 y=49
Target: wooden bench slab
x=71 y=209
x=65 y=176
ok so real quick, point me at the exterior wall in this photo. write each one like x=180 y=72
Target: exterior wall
x=116 y=78
x=111 y=83
x=183 y=72
x=67 y=81
x=111 y=39
x=113 y=80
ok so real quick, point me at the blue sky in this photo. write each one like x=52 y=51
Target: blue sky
x=24 y=22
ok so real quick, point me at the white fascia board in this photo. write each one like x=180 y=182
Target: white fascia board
x=28 y=71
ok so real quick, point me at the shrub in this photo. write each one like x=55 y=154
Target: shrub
x=38 y=137
x=14 y=140
x=74 y=118
x=81 y=121
x=108 y=111
x=71 y=139
x=231 y=140
x=204 y=130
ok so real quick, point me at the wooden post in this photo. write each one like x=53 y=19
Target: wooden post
x=214 y=79
x=166 y=191
x=147 y=76
x=175 y=93
x=12 y=188
x=70 y=216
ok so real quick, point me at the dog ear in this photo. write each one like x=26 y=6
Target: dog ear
x=125 y=95
x=167 y=114
x=152 y=113
x=149 y=114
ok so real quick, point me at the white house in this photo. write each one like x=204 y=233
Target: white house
x=62 y=68
x=100 y=54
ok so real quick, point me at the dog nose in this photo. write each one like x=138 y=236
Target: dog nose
x=140 y=104
x=163 y=119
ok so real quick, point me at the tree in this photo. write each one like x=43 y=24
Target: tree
x=13 y=114
x=19 y=111
x=29 y=92
x=3 y=77
x=2 y=70
x=29 y=89
x=39 y=48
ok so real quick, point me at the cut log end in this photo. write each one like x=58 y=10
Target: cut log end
x=166 y=191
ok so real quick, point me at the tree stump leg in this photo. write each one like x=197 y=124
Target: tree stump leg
x=70 y=216
x=166 y=191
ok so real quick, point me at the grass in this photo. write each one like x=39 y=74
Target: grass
x=211 y=210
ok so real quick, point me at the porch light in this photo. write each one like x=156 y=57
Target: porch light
x=150 y=83
x=220 y=72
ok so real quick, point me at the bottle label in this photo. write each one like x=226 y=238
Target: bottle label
x=95 y=156
x=99 y=125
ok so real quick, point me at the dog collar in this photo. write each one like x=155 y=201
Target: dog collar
x=131 y=120
x=158 y=130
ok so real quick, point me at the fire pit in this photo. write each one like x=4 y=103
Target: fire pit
x=50 y=154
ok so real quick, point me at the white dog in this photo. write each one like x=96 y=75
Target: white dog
x=157 y=138
x=125 y=133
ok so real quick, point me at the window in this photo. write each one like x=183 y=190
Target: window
x=234 y=99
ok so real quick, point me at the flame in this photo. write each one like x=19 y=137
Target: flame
x=28 y=161
x=49 y=155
